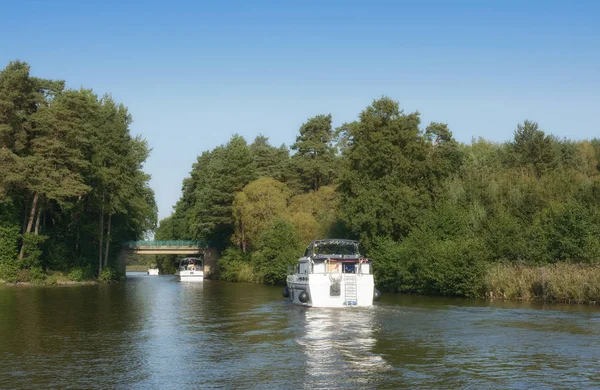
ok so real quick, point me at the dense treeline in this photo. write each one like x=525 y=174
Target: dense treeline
x=71 y=181
x=437 y=216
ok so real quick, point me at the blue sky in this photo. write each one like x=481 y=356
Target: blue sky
x=195 y=73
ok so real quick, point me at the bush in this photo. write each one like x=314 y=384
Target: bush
x=79 y=274
x=8 y=272
x=235 y=266
x=33 y=275
x=424 y=264
x=278 y=247
x=570 y=232
x=108 y=275
x=32 y=252
x=9 y=246
x=76 y=274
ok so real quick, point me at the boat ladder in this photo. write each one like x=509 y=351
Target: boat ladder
x=350 y=292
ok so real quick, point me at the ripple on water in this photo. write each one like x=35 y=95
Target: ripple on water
x=154 y=332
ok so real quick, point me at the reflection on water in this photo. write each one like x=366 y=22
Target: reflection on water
x=338 y=343
x=154 y=332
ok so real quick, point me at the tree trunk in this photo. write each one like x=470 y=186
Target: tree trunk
x=107 y=241
x=101 y=236
x=30 y=223
x=32 y=213
x=243 y=238
x=24 y=225
x=37 y=221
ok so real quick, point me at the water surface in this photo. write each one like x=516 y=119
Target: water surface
x=157 y=333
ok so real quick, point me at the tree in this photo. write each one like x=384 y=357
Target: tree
x=533 y=149
x=314 y=157
x=278 y=247
x=315 y=214
x=121 y=187
x=257 y=205
x=270 y=161
x=385 y=187
x=65 y=157
x=226 y=171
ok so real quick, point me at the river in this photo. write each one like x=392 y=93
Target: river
x=156 y=333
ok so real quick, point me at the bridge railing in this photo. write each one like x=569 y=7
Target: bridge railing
x=177 y=243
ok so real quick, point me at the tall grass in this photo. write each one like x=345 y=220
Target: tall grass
x=553 y=283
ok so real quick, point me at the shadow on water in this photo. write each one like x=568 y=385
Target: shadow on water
x=155 y=332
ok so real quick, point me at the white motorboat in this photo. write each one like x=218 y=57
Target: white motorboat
x=153 y=270
x=190 y=269
x=332 y=273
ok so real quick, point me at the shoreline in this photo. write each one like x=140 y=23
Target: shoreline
x=65 y=283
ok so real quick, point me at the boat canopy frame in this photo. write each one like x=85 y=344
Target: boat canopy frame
x=312 y=250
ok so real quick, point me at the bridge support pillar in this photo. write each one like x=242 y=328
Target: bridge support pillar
x=122 y=262
x=211 y=258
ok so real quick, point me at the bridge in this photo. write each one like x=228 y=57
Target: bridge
x=171 y=247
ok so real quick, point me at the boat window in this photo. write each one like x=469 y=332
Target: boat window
x=349 y=268
x=336 y=248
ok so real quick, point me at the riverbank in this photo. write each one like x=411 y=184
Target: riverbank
x=559 y=283
x=52 y=278
x=136 y=268
x=566 y=283
x=46 y=284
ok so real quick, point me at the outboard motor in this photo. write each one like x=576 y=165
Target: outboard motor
x=286 y=292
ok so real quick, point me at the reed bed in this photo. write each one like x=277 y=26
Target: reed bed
x=574 y=283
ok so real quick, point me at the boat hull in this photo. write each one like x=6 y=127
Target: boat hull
x=190 y=276
x=153 y=272
x=329 y=291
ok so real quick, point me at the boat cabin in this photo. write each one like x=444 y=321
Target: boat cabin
x=333 y=256
x=190 y=264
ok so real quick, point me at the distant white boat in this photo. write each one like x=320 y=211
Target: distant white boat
x=153 y=270
x=332 y=273
x=190 y=269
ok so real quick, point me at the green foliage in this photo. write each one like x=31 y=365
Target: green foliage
x=236 y=266
x=255 y=206
x=76 y=275
x=67 y=162
x=9 y=241
x=32 y=249
x=441 y=256
x=270 y=161
x=108 y=275
x=451 y=267
x=79 y=274
x=533 y=149
x=30 y=275
x=216 y=178
x=394 y=170
x=315 y=156
x=434 y=215
x=277 y=248
x=570 y=232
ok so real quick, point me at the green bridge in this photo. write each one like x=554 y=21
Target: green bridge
x=168 y=243
x=171 y=247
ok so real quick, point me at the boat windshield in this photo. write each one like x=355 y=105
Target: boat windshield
x=190 y=262
x=336 y=248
